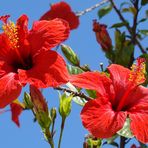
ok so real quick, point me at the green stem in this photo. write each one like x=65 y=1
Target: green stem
x=52 y=129
x=49 y=138
x=61 y=132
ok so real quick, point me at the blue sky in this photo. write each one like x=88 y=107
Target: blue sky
x=83 y=42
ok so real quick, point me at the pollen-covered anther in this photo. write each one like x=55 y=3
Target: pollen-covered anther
x=11 y=31
x=138 y=71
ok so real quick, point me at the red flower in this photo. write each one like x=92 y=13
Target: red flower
x=25 y=56
x=62 y=10
x=102 y=36
x=16 y=110
x=118 y=97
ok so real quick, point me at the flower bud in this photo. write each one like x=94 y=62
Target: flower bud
x=53 y=113
x=40 y=107
x=70 y=55
x=65 y=105
x=27 y=101
x=102 y=36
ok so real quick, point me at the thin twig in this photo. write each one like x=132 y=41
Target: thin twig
x=79 y=94
x=135 y=20
x=127 y=26
x=122 y=142
x=91 y=8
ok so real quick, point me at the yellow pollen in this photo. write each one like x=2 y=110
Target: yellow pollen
x=138 y=72
x=10 y=29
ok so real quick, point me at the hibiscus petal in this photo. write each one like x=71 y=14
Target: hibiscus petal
x=10 y=88
x=139 y=126
x=119 y=74
x=120 y=79
x=16 y=110
x=138 y=112
x=48 y=34
x=100 y=120
x=22 y=27
x=94 y=81
x=137 y=100
x=49 y=70
x=62 y=10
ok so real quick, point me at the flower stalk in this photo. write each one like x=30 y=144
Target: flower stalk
x=61 y=132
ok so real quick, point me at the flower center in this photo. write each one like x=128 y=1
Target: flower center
x=11 y=31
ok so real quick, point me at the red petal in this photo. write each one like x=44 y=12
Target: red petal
x=62 y=10
x=22 y=26
x=100 y=120
x=137 y=100
x=139 y=126
x=16 y=110
x=120 y=78
x=95 y=81
x=48 y=34
x=49 y=70
x=119 y=74
x=10 y=88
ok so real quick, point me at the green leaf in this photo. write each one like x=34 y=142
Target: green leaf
x=142 y=20
x=144 y=32
x=123 y=49
x=125 y=131
x=91 y=93
x=104 y=11
x=74 y=69
x=143 y=145
x=118 y=25
x=130 y=9
x=144 y=2
x=123 y=4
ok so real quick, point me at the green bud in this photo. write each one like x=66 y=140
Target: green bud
x=94 y=143
x=70 y=55
x=65 y=105
x=43 y=119
x=27 y=101
x=53 y=113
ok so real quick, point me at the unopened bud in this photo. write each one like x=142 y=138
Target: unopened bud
x=27 y=101
x=65 y=105
x=70 y=55
x=40 y=107
x=53 y=113
x=102 y=36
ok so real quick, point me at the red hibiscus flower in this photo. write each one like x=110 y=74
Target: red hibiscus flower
x=25 y=56
x=118 y=97
x=102 y=36
x=62 y=10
